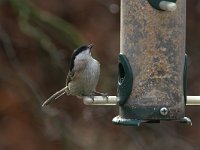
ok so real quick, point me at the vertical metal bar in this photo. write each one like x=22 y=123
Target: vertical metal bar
x=154 y=43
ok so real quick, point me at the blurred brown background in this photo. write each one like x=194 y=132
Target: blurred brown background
x=36 y=41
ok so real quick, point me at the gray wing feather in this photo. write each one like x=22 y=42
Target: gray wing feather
x=69 y=77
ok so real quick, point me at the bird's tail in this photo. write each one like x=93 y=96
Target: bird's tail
x=55 y=96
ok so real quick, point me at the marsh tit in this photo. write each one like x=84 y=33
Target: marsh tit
x=83 y=75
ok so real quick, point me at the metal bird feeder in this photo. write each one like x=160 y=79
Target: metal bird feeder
x=154 y=43
x=152 y=63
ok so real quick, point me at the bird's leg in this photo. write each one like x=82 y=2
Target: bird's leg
x=91 y=95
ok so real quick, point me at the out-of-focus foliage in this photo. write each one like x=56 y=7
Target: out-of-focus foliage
x=45 y=27
x=37 y=38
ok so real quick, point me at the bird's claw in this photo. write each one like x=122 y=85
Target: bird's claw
x=105 y=95
x=92 y=97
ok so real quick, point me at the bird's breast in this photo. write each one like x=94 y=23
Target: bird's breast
x=86 y=81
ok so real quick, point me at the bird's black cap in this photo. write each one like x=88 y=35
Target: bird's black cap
x=78 y=51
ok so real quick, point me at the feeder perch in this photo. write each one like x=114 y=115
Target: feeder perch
x=168 y=5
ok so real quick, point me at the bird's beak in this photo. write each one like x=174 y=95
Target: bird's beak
x=90 y=46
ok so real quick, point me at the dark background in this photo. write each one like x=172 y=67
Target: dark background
x=36 y=41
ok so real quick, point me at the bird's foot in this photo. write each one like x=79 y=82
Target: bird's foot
x=104 y=95
x=92 y=97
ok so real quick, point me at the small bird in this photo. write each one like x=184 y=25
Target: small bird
x=83 y=75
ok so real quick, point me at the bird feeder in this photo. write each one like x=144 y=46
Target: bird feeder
x=154 y=43
x=152 y=63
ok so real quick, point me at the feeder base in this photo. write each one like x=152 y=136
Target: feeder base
x=135 y=122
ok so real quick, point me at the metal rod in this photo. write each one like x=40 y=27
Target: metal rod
x=193 y=100
x=113 y=100
x=100 y=100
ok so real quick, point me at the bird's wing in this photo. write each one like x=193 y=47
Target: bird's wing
x=78 y=68
x=70 y=76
